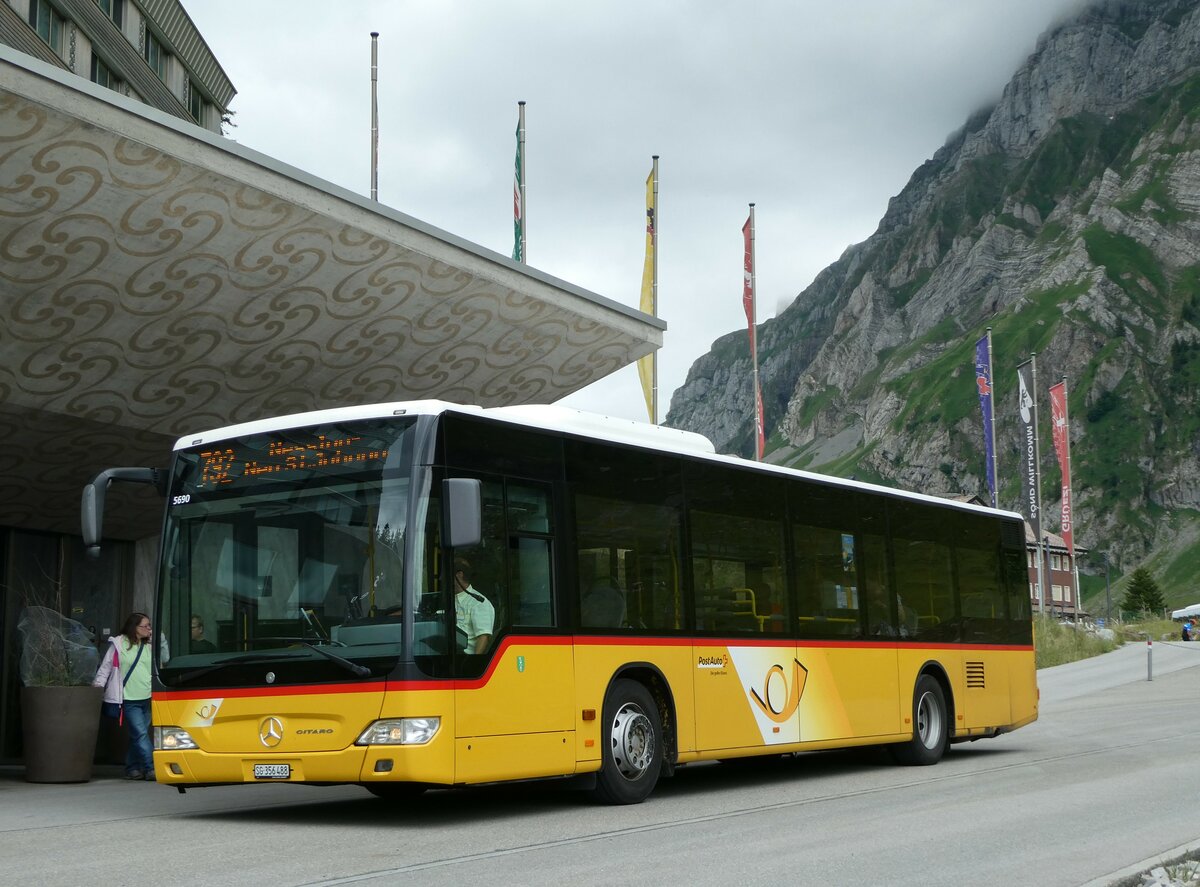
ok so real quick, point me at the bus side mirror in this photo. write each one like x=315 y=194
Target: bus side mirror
x=462 y=511
x=91 y=506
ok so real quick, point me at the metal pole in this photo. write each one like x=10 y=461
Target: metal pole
x=992 y=423
x=1049 y=572
x=1149 y=658
x=754 y=334
x=374 y=115
x=1107 y=606
x=654 y=292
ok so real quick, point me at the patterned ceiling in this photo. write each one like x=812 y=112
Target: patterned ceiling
x=156 y=280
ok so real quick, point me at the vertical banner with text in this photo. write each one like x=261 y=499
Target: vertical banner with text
x=1062 y=446
x=1031 y=502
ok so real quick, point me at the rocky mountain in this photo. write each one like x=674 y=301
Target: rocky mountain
x=1067 y=219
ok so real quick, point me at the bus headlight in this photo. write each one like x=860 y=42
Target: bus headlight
x=400 y=731
x=172 y=739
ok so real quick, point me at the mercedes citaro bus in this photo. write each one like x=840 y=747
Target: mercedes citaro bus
x=413 y=595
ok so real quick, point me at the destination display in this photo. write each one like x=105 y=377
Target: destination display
x=302 y=452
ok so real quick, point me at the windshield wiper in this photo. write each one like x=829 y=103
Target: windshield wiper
x=194 y=673
x=354 y=668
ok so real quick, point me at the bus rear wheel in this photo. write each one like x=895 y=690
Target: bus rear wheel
x=631 y=745
x=931 y=727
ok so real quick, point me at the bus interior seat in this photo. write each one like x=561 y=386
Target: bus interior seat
x=603 y=605
x=977 y=606
x=729 y=609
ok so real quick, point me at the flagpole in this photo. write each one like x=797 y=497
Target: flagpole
x=654 y=291
x=524 y=207
x=754 y=337
x=992 y=423
x=374 y=115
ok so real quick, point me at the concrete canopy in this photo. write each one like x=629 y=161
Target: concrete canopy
x=156 y=279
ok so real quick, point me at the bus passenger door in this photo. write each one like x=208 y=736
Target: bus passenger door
x=747 y=694
x=748 y=680
x=513 y=698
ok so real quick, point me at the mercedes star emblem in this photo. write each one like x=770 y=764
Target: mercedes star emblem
x=270 y=732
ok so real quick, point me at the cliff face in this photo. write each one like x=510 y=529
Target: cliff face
x=1067 y=219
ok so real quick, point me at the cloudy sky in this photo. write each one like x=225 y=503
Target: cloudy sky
x=817 y=112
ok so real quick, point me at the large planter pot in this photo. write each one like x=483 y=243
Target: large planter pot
x=59 y=727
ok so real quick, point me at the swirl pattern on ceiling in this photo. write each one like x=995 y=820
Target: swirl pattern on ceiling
x=149 y=288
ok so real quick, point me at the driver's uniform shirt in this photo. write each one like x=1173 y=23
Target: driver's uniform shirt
x=474 y=614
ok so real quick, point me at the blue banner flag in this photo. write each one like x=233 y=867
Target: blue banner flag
x=983 y=380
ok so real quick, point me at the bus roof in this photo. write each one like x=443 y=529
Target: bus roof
x=551 y=417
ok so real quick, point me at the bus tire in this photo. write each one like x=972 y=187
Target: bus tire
x=394 y=791
x=631 y=745
x=931 y=726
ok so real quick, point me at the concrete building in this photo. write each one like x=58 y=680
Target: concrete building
x=1059 y=569
x=156 y=279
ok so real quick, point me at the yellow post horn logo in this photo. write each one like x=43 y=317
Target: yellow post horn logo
x=795 y=690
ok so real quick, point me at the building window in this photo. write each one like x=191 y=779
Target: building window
x=114 y=9
x=103 y=75
x=197 y=106
x=45 y=19
x=156 y=56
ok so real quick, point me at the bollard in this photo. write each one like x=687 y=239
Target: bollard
x=1149 y=658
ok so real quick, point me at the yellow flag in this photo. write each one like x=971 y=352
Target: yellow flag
x=646 y=364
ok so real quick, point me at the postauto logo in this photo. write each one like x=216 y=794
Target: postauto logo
x=721 y=661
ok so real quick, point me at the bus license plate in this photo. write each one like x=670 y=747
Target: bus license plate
x=272 y=771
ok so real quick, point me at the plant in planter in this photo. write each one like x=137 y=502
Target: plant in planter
x=60 y=710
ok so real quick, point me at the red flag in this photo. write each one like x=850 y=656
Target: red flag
x=1062 y=446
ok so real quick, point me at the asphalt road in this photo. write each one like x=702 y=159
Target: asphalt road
x=1102 y=782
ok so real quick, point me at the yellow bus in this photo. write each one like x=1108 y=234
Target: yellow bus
x=424 y=594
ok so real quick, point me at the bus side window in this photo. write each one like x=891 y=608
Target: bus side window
x=530 y=573
x=627 y=514
x=982 y=602
x=488 y=572
x=531 y=580
x=923 y=568
x=828 y=554
x=827 y=577
x=737 y=546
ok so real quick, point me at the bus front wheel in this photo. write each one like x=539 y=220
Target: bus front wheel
x=631 y=745
x=931 y=727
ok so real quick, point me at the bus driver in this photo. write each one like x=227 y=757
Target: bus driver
x=473 y=613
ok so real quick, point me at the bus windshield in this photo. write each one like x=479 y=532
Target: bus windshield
x=284 y=556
